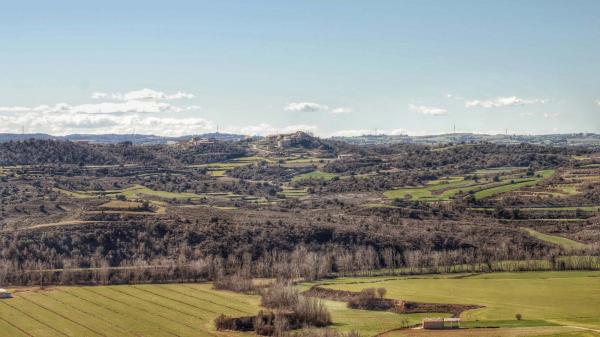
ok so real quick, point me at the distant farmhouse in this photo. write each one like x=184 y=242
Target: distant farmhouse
x=4 y=293
x=441 y=323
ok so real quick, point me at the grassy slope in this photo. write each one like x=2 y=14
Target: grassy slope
x=446 y=189
x=314 y=175
x=558 y=240
x=519 y=183
x=571 y=299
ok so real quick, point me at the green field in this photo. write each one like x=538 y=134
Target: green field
x=146 y=310
x=514 y=184
x=447 y=188
x=546 y=209
x=141 y=192
x=291 y=192
x=218 y=169
x=154 y=310
x=558 y=240
x=314 y=175
x=565 y=298
x=499 y=170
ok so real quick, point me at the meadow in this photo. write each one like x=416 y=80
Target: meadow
x=558 y=240
x=318 y=175
x=564 y=298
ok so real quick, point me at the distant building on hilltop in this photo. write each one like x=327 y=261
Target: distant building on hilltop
x=289 y=140
x=196 y=141
x=345 y=156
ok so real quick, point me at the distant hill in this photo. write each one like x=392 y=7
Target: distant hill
x=118 y=138
x=306 y=141
x=588 y=139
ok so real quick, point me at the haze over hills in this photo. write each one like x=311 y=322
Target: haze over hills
x=572 y=139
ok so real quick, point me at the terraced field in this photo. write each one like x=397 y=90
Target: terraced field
x=558 y=240
x=141 y=192
x=314 y=175
x=218 y=169
x=447 y=188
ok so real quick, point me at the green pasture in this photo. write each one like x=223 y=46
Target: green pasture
x=141 y=192
x=566 y=298
x=291 y=192
x=557 y=240
x=514 y=184
x=318 y=175
x=447 y=188
x=546 y=209
x=499 y=170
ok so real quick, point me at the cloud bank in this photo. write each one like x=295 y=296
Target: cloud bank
x=142 y=95
x=142 y=111
x=315 y=107
x=500 y=102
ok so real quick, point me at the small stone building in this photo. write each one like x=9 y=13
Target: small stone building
x=4 y=293
x=441 y=323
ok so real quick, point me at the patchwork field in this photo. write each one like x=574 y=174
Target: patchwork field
x=141 y=192
x=565 y=298
x=483 y=187
x=155 y=310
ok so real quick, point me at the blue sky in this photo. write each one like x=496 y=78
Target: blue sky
x=330 y=67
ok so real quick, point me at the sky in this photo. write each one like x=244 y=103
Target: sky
x=333 y=68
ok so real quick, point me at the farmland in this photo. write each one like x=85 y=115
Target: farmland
x=147 y=228
x=153 y=310
x=189 y=309
x=447 y=188
x=565 y=298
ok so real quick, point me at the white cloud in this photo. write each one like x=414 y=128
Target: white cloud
x=598 y=102
x=66 y=123
x=499 y=102
x=98 y=108
x=142 y=95
x=427 y=110
x=341 y=110
x=315 y=107
x=305 y=107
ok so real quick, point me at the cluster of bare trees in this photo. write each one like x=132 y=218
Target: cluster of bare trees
x=300 y=263
x=288 y=310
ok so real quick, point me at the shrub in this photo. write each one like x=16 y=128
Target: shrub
x=279 y=296
x=518 y=317
x=312 y=311
x=368 y=300
x=236 y=282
